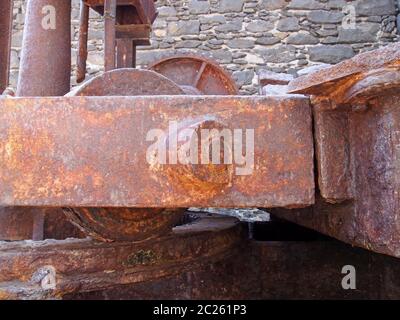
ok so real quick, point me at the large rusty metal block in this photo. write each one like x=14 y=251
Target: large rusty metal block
x=96 y=152
x=356 y=107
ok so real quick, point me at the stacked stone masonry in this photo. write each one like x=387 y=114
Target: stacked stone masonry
x=245 y=36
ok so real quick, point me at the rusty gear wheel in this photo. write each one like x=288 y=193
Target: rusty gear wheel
x=196 y=75
x=128 y=82
x=125 y=224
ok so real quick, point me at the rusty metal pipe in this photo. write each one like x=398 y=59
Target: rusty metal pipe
x=46 y=50
x=82 y=42
x=110 y=11
x=5 y=41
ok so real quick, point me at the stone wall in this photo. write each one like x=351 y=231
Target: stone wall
x=247 y=35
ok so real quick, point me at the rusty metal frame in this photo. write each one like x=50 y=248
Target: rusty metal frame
x=53 y=269
x=356 y=127
x=91 y=151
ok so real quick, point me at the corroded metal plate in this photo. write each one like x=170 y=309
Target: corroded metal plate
x=92 y=152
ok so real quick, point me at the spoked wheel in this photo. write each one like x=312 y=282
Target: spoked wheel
x=125 y=224
x=196 y=75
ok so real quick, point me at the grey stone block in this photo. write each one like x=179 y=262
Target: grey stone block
x=268 y=40
x=365 y=32
x=241 y=43
x=375 y=7
x=231 y=6
x=288 y=24
x=273 y=4
x=301 y=39
x=199 y=7
x=274 y=90
x=243 y=77
x=269 y=77
x=330 y=54
x=260 y=26
x=323 y=16
x=306 y=5
x=281 y=54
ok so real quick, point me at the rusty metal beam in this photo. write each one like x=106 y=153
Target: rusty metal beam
x=6 y=14
x=92 y=151
x=46 y=49
x=145 y=10
x=78 y=266
x=236 y=269
x=356 y=123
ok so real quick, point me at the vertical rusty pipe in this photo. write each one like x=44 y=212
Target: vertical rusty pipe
x=6 y=12
x=82 y=42
x=46 y=49
x=110 y=11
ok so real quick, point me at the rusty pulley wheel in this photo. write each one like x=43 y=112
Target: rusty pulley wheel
x=125 y=224
x=128 y=82
x=196 y=75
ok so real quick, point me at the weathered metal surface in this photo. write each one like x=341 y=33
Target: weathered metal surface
x=72 y=266
x=126 y=53
x=45 y=71
x=24 y=223
x=17 y=224
x=127 y=24
x=196 y=75
x=124 y=224
x=91 y=152
x=110 y=14
x=273 y=270
x=82 y=42
x=45 y=67
x=357 y=124
x=143 y=11
x=216 y=264
x=345 y=73
x=128 y=82
x=6 y=14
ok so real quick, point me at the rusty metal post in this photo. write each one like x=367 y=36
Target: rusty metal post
x=82 y=42
x=126 y=53
x=110 y=11
x=5 y=41
x=46 y=49
x=45 y=71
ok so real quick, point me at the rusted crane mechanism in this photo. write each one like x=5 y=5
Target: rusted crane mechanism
x=84 y=154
